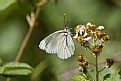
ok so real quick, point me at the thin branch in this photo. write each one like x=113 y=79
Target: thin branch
x=18 y=57
x=31 y=21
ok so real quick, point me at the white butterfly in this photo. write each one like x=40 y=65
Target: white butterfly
x=60 y=43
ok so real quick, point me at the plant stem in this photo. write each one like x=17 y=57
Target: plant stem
x=102 y=69
x=97 y=73
x=31 y=21
x=96 y=60
x=24 y=43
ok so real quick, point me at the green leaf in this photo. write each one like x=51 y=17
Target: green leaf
x=112 y=77
x=78 y=78
x=5 y=3
x=15 y=68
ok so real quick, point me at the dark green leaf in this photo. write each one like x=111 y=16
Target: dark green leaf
x=15 y=68
x=106 y=76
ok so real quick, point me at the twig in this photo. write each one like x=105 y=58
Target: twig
x=31 y=21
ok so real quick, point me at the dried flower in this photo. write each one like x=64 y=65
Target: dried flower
x=99 y=34
x=81 y=33
x=90 y=28
x=109 y=62
x=106 y=38
x=80 y=58
x=97 y=49
x=85 y=44
x=91 y=36
x=83 y=63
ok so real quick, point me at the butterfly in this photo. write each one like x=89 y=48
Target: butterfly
x=60 y=43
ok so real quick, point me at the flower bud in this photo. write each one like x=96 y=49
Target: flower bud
x=86 y=44
x=99 y=34
x=97 y=49
x=109 y=62
x=100 y=28
x=106 y=38
x=80 y=58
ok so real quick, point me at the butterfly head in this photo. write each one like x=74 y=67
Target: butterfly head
x=67 y=29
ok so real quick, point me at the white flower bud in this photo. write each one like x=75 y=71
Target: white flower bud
x=88 y=24
x=76 y=36
x=100 y=28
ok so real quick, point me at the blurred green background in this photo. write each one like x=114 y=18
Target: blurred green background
x=13 y=28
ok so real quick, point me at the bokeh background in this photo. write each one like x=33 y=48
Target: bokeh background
x=13 y=28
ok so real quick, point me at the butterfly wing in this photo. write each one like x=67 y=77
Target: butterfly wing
x=65 y=46
x=59 y=42
x=49 y=44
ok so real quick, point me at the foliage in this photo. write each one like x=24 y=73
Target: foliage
x=15 y=68
x=79 y=78
x=106 y=75
x=6 y=3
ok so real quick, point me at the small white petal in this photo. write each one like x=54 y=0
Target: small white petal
x=100 y=27
x=88 y=24
x=85 y=34
x=76 y=36
x=82 y=29
x=88 y=38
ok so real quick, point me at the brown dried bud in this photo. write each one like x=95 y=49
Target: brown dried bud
x=84 y=66
x=97 y=49
x=80 y=58
x=109 y=62
x=99 y=34
x=80 y=38
x=83 y=63
x=90 y=28
x=106 y=38
x=86 y=44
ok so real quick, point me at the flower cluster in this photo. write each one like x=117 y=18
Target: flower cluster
x=91 y=36
x=83 y=63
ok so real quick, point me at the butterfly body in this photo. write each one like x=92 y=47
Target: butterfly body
x=60 y=43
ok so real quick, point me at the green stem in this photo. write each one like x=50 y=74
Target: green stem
x=96 y=60
x=97 y=72
x=102 y=69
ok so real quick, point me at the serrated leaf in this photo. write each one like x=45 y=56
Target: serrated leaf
x=5 y=3
x=78 y=78
x=15 y=68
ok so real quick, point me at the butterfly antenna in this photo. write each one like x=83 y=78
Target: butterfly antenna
x=67 y=23
x=64 y=18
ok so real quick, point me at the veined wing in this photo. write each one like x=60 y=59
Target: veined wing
x=49 y=44
x=65 y=46
x=59 y=42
